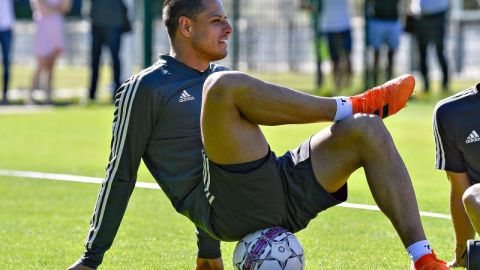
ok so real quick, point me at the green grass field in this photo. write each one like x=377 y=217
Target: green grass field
x=43 y=223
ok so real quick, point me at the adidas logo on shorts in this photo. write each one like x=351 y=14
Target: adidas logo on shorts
x=473 y=137
x=185 y=96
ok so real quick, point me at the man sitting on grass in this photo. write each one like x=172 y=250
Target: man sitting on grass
x=196 y=126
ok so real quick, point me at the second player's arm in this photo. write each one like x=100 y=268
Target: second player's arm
x=464 y=230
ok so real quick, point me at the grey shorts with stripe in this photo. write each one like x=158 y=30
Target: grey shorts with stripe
x=282 y=192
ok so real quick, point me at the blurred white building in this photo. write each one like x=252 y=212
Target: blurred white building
x=273 y=35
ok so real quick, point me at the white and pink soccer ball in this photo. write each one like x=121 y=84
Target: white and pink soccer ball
x=269 y=249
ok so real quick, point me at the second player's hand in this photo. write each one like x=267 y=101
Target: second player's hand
x=455 y=263
x=460 y=254
x=209 y=264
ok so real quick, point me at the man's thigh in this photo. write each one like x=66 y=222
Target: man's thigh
x=228 y=137
x=282 y=192
x=244 y=202
x=305 y=197
x=337 y=151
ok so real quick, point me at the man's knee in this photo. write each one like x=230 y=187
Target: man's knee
x=365 y=128
x=471 y=197
x=225 y=85
x=214 y=85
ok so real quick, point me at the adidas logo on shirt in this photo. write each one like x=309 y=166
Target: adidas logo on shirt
x=185 y=96
x=473 y=137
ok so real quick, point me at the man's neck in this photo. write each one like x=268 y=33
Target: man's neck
x=190 y=59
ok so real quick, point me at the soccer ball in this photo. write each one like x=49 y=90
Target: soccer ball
x=269 y=249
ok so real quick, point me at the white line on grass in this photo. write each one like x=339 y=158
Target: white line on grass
x=24 y=109
x=96 y=180
x=375 y=208
x=67 y=177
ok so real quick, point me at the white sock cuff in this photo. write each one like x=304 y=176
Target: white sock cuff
x=418 y=249
x=344 y=108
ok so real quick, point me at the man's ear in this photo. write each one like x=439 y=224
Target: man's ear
x=185 y=26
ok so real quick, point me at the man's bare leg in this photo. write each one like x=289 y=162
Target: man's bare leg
x=234 y=104
x=363 y=141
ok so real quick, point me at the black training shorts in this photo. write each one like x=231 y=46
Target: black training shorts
x=282 y=192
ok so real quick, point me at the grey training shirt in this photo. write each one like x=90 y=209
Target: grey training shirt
x=157 y=118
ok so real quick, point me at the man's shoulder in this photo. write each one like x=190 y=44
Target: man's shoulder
x=164 y=77
x=144 y=78
x=155 y=76
x=456 y=104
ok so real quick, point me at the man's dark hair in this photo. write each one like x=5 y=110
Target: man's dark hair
x=174 y=9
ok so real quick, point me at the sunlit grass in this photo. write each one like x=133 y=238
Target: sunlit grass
x=43 y=223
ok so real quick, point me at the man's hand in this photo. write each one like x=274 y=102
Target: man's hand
x=460 y=257
x=209 y=264
x=78 y=266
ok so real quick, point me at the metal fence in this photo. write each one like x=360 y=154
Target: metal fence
x=273 y=36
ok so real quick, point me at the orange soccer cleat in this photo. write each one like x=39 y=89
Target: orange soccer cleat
x=429 y=262
x=386 y=99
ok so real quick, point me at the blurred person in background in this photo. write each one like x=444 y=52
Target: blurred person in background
x=384 y=28
x=7 y=19
x=430 y=28
x=109 y=21
x=335 y=24
x=315 y=7
x=49 y=41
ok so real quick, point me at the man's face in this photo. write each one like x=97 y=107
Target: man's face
x=211 y=31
